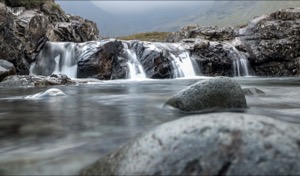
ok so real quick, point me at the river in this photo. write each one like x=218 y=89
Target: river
x=61 y=135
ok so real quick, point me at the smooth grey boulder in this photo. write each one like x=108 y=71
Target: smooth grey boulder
x=215 y=93
x=6 y=69
x=210 y=144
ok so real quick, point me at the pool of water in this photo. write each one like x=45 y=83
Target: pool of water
x=61 y=135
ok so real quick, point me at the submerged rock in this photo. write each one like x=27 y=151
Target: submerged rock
x=54 y=92
x=216 y=93
x=253 y=91
x=211 y=144
x=6 y=69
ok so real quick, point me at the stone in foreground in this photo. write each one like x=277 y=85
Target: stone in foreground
x=6 y=69
x=216 y=93
x=211 y=144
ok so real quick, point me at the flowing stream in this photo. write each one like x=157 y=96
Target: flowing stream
x=61 y=135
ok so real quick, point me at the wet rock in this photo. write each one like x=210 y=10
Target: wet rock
x=216 y=93
x=273 y=43
x=253 y=91
x=156 y=59
x=213 y=58
x=35 y=81
x=211 y=144
x=6 y=69
x=24 y=31
x=103 y=63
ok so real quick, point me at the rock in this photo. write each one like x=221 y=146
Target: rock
x=269 y=42
x=210 y=144
x=35 y=81
x=272 y=42
x=155 y=58
x=24 y=31
x=48 y=93
x=253 y=91
x=207 y=33
x=216 y=93
x=103 y=63
x=6 y=69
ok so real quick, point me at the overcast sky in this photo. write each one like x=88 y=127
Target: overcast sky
x=119 y=7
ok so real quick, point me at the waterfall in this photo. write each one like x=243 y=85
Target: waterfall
x=183 y=65
x=57 y=58
x=240 y=62
x=136 y=70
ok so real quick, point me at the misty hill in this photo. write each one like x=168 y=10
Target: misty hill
x=220 y=13
x=224 y=13
x=114 y=25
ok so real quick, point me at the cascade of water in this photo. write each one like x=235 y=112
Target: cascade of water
x=183 y=65
x=58 y=58
x=136 y=70
x=240 y=62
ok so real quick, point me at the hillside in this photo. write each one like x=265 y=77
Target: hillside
x=223 y=13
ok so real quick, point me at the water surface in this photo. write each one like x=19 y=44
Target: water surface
x=60 y=135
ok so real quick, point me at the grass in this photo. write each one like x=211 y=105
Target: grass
x=147 y=36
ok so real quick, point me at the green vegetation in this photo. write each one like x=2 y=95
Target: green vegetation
x=147 y=36
x=25 y=3
x=55 y=7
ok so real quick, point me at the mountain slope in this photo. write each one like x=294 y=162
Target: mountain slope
x=223 y=13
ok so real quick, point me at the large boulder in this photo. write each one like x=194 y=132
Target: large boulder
x=216 y=93
x=103 y=62
x=273 y=43
x=211 y=144
x=6 y=69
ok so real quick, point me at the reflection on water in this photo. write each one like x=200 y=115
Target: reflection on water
x=60 y=135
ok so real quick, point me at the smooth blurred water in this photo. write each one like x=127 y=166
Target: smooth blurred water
x=60 y=135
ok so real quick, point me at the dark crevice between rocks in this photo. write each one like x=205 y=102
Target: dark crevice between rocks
x=224 y=169
x=192 y=167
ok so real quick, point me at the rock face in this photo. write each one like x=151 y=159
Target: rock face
x=6 y=69
x=216 y=93
x=212 y=144
x=273 y=43
x=24 y=31
x=269 y=42
x=35 y=81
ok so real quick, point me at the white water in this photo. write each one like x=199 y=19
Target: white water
x=136 y=70
x=184 y=66
x=240 y=62
x=64 y=56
